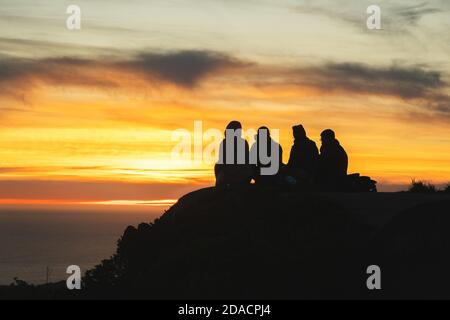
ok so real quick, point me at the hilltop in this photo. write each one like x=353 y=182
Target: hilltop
x=260 y=243
x=256 y=243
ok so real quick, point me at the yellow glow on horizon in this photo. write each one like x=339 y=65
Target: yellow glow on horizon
x=80 y=136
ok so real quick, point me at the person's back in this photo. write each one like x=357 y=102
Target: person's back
x=269 y=161
x=233 y=166
x=304 y=154
x=333 y=161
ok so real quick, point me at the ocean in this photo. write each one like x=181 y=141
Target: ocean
x=36 y=240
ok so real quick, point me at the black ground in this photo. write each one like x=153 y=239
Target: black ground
x=252 y=243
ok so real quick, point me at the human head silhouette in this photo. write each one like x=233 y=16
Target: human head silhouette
x=298 y=132
x=267 y=152
x=234 y=126
x=327 y=136
x=261 y=129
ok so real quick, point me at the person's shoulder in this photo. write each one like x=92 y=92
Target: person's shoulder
x=280 y=147
x=312 y=142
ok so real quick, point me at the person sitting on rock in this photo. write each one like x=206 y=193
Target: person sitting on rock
x=233 y=167
x=304 y=156
x=267 y=155
x=333 y=162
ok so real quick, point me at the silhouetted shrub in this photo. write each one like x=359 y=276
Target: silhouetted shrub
x=421 y=187
x=447 y=188
x=20 y=283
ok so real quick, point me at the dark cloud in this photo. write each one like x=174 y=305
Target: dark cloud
x=185 y=69
x=188 y=69
x=405 y=82
x=19 y=76
x=416 y=84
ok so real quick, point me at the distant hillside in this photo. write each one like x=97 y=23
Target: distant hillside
x=257 y=243
x=252 y=243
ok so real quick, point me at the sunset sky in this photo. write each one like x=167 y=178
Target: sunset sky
x=87 y=116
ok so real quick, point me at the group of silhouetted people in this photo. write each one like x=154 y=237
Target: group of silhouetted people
x=239 y=164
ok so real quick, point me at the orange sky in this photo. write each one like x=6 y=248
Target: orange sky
x=85 y=120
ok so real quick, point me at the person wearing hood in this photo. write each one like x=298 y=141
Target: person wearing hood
x=333 y=161
x=267 y=155
x=304 y=155
x=233 y=166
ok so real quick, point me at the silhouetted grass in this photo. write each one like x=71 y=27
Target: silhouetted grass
x=421 y=187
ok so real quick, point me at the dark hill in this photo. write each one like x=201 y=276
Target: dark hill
x=240 y=243
x=414 y=248
x=253 y=243
x=257 y=243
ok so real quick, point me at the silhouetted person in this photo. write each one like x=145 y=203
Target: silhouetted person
x=304 y=156
x=267 y=155
x=233 y=166
x=333 y=162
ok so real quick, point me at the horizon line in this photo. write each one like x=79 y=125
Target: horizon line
x=153 y=203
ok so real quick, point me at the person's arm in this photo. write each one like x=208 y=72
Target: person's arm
x=291 y=157
x=344 y=162
x=315 y=151
x=221 y=159
x=280 y=155
x=247 y=153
